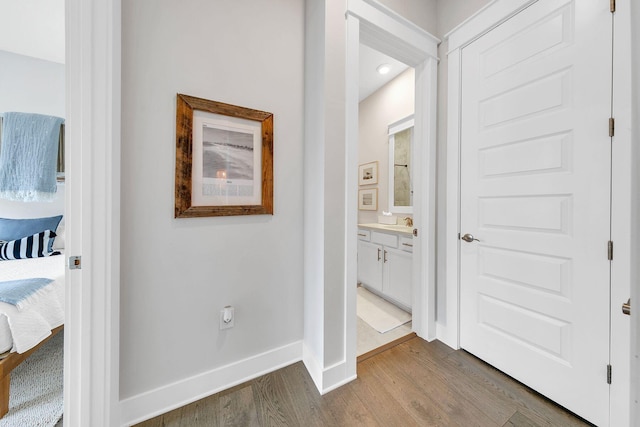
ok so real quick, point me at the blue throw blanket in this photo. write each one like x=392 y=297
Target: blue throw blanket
x=28 y=156
x=18 y=292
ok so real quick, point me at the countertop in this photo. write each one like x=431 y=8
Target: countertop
x=402 y=229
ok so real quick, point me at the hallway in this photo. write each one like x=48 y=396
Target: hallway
x=413 y=384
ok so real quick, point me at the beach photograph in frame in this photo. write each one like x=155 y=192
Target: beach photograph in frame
x=224 y=159
x=368 y=199
x=368 y=173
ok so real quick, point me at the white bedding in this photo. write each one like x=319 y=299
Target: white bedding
x=22 y=330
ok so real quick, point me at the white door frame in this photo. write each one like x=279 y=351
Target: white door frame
x=487 y=18
x=382 y=29
x=635 y=214
x=91 y=347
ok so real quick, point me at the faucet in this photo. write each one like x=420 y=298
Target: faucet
x=408 y=221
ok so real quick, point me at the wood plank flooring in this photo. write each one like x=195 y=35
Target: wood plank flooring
x=415 y=383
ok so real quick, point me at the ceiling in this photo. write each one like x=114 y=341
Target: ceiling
x=370 y=79
x=33 y=28
x=36 y=28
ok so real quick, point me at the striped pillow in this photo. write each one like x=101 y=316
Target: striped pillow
x=28 y=247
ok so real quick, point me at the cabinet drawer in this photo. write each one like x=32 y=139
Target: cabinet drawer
x=406 y=244
x=390 y=240
x=364 y=235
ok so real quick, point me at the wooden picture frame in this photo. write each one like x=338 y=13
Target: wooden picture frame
x=368 y=199
x=368 y=173
x=224 y=159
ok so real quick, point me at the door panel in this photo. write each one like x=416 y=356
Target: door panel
x=397 y=271
x=370 y=265
x=535 y=176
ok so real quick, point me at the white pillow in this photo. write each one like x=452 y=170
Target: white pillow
x=58 y=243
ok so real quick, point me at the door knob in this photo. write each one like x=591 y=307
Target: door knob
x=469 y=238
x=626 y=307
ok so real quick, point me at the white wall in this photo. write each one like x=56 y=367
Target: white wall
x=178 y=273
x=420 y=12
x=324 y=186
x=32 y=85
x=392 y=102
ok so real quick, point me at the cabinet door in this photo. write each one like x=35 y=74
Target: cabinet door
x=397 y=275
x=370 y=265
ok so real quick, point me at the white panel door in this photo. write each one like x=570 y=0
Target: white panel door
x=535 y=173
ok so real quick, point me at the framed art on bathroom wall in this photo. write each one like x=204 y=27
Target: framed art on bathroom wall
x=368 y=199
x=368 y=173
x=224 y=159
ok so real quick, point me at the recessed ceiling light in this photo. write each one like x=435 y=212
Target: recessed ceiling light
x=383 y=68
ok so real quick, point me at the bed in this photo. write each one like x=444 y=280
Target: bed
x=29 y=314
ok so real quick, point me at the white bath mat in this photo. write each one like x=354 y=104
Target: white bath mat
x=379 y=313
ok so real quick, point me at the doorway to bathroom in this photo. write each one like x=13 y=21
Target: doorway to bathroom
x=381 y=29
x=385 y=201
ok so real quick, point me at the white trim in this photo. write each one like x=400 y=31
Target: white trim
x=449 y=333
x=634 y=16
x=332 y=377
x=401 y=125
x=383 y=30
x=91 y=385
x=149 y=404
x=620 y=397
x=352 y=73
x=314 y=368
x=424 y=207
x=336 y=376
x=386 y=31
x=314 y=190
x=486 y=19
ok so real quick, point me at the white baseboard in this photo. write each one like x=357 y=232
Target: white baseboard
x=336 y=376
x=155 y=402
x=326 y=379
x=313 y=367
x=447 y=336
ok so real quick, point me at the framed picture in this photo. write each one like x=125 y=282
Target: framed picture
x=224 y=159
x=368 y=173
x=368 y=199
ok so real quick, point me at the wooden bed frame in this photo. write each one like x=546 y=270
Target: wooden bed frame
x=8 y=364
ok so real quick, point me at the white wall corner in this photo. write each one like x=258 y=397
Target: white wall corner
x=152 y=403
x=313 y=365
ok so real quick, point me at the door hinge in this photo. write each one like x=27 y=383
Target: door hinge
x=75 y=262
x=612 y=5
x=415 y=232
x=610 y=250
x=612 y=127
x=608 y=374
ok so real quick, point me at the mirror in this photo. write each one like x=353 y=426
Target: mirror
x=400 y=182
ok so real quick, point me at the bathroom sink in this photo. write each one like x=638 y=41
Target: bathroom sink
x=396 y=228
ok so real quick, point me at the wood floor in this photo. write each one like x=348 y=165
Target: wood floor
x=412 y=384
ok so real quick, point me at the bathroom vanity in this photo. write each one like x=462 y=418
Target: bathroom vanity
x=385 y=255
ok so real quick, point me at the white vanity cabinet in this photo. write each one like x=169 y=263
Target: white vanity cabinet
x=396 y=281
x=369 y=265
x=384 y=264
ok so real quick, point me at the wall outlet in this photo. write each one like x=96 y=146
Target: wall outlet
x=227 y=317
